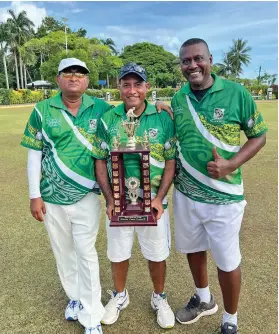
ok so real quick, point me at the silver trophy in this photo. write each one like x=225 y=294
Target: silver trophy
x=130 y=125
x=133 y=184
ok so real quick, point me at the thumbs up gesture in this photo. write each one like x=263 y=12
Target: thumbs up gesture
x=220 y=167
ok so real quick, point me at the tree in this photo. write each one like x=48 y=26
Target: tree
x=155 y=60
x=234 y=59
x=268 y=79
x=110 y=43
x=81 y=32
x=224 y=69
x=48 y=25
x=20 y=30
x=239 y=56
x=4 y=46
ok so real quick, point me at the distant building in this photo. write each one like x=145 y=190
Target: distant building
x=39 y=84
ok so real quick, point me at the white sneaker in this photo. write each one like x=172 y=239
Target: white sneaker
x=165 y=316
x=94 y=330
x=114 y=306
x=72 y=309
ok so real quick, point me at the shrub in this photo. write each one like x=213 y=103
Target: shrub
x=15 y=97
x=4 y=96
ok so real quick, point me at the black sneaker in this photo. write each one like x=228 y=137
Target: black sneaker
x=195 y=309
x=228 y=328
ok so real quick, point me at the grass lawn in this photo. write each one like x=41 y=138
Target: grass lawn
x=32 y=299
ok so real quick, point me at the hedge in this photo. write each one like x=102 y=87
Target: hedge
x=22 y=96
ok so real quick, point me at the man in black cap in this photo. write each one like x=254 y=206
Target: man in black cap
x=154 y=240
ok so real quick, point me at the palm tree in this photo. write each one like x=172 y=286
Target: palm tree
x=110 y=43
x=239 y=56
x=4 y=47
x=224 y=69
x=272 y=79
x=20 y=29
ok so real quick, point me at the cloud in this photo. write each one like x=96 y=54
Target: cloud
x=34 y=13
x=77 y=10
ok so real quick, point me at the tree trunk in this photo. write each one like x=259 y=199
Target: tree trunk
x=41 y=64
x=107 y=80
x=25 y=79
x=16 y=69
x=21 y=71
x=5 y=70
x=29 y=75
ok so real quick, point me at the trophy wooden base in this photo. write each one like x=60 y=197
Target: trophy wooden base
x=132 y=216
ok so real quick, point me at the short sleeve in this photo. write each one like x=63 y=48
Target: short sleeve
x=33 y=137
x=100 y=148
x=170 y=142
x=253 y=124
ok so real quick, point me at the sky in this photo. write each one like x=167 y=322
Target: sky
x=170 y=24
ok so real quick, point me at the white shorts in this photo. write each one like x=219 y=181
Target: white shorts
x=154 y=240
x=201 y=226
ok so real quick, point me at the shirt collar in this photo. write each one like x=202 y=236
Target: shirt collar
x=217 y=85
x=150 y=109
x=57 y=102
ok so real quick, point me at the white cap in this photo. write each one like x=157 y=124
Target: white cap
x=67 y=62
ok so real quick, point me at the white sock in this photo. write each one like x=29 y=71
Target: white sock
x=231 y=318
x=204 y=294
x=122 y=294
x=155 y=295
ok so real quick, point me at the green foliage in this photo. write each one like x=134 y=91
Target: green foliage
x=4 y=96
x=110 y=43
x=22 y=96
x=49 y=24
x=162 y=92
x=159 y=64
x=234 y=59
x=101 y=93
x=81 y=32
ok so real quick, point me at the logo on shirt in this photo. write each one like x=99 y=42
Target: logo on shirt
x=218 y=114
x=39 y=135
x=177 y=110
x=52 y=122
x=153 y=133
x=93 y=124
x=251 y=123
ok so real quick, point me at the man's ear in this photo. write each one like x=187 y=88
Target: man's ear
x=87 y=82
x=147 y=85
x=57 y=79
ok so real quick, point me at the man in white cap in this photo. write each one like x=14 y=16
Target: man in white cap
x=63 y=190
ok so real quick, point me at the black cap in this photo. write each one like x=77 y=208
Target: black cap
x=133 y=68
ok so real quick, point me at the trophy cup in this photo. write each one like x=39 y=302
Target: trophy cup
x=133 y=211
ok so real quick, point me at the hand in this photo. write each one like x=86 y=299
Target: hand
x=110 y=209
x=220 y=167
x=37 y=208
x=162 y=106
x=156 y=204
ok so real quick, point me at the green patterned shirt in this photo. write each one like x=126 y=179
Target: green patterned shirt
x=66 y=144
x=217 y=120
x=160 y=130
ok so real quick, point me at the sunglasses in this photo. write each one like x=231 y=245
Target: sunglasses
x=69 y=75
x=136 y=68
